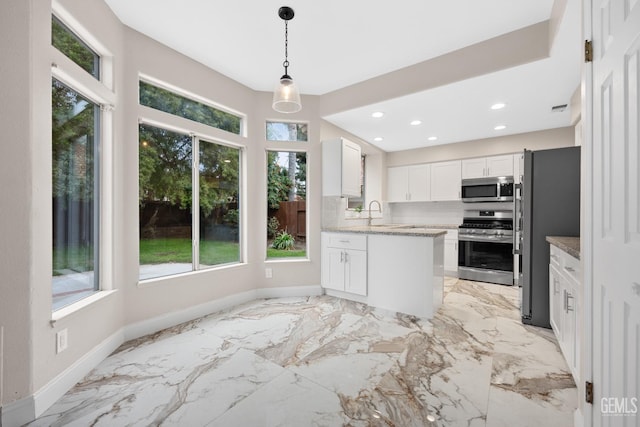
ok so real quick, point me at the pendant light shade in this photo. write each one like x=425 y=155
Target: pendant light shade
x=286 y=96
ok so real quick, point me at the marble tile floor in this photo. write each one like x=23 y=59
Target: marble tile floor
x=322 y=361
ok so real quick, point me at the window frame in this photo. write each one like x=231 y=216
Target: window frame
x=296 y=122
x=198 y=131
x=193 y=97
x=297 y=149
x=100 y=92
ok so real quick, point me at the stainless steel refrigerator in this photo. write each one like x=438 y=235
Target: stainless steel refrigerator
x=549 y=205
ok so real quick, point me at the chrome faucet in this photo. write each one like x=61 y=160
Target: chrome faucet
x=379 y=210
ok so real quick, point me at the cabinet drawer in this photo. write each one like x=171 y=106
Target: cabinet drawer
x=347 y=241
x=571 y=267
x=565 y=263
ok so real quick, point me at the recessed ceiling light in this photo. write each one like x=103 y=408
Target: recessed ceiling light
x=377 y=114
x=378 y=138
x=498 y=106
x=416 y=123
x=432 y=138
x=500 y=127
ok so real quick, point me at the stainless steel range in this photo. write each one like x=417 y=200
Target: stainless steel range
x=485 y=241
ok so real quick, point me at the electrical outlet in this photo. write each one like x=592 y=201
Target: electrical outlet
x=61 y=341
x=268 y=272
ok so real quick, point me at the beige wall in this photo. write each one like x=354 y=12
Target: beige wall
x=542 y=140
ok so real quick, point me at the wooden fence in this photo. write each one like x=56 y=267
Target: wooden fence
x=292 y=217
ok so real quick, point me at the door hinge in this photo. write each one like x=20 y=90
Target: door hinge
x=588 y=51
x=588 y=392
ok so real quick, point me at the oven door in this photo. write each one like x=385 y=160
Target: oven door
x=486 y=259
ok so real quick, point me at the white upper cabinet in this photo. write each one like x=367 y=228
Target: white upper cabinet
x=409 y=183
x=446 y=180
x=488 y=166
x=474 y=168
x=341 y=168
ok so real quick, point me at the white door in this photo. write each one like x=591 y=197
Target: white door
x=615 y=230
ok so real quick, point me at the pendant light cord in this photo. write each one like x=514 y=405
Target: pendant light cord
x=286 y=47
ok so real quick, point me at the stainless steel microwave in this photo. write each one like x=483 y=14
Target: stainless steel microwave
x=496 y=189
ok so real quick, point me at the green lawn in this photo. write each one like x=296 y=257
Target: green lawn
x=160 y=251
x=279 y=253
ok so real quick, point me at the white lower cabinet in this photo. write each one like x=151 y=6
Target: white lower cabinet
x=451 y=253
x=565 y=305
x=344 y=262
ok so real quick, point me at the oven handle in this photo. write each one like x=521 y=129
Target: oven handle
x=488 y=239
x=517 y=193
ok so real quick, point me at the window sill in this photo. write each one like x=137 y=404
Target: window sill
x=79 y=305
x=286 y=260
x=146 y=283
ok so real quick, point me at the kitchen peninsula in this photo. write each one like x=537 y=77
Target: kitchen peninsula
x=393 y=267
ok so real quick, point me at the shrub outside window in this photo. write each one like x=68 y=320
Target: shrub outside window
x=286 y=204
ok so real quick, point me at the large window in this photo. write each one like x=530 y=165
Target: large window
x=172 y=103
x=76 y=190
x=172 y=239
x=287 y=205
x=78 y=147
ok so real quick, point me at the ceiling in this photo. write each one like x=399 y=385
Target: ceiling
x=335 y=44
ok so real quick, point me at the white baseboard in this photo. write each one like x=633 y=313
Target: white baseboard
x=25 y=410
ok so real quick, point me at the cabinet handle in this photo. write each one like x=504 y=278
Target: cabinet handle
x=554 y=257
x=564 y=300
x=344 y=241
x=570 y=270
x=346 y=257
x=341 y=257
x=569 y=307
x=488 y=171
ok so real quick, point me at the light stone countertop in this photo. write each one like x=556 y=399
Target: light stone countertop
x=570 y=245
x=392 y=230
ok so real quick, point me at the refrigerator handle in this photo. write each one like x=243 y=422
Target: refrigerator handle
x=517 y=218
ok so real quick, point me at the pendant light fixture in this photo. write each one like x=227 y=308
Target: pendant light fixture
x=286 y=97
